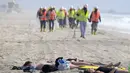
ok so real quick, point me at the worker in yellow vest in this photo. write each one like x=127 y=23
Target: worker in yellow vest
x=77 y=16
x=83 y=18
x=71 y=16
x=61 y=16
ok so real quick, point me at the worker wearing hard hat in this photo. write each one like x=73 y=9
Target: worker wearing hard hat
x=77 y=16
x=39 y=15
x=83 y=18
x=61 y=16
x=43 y=19
x=71 y=16
x=52 y=17
x=65 y=18
x=39 y=12
x=95 y=18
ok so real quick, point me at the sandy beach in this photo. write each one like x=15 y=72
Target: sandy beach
x=21 y=40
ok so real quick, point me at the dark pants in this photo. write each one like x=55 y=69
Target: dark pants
x=61 y=23
x=64 y=21
x=71 y=22
x=43 y=24
x=51 y=25
x=77 y=21
x=94 y=27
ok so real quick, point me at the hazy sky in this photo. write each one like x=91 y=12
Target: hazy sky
x=118 y=5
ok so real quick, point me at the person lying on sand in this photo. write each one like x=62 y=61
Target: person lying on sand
x=60 y=64
x=79 y=62
x=65 y=64
x=105 y=70
x=28 y=66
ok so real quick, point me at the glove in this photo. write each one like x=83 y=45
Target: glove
x=89 y=20
x=77 y=14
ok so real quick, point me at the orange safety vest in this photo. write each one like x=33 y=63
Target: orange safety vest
x=52 y=15
x=95 y=16
x=44 y=16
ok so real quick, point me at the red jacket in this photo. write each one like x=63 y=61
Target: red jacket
x=95 y=16
x=52 y=15
x=44 y=16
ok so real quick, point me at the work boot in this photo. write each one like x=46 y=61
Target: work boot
x=44 y=30
x=94 y=33
x=41 y=30
x=61 y=27
x=50 y=30
x=83 y=37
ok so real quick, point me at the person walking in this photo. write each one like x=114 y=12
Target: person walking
x=71 y=16
x=39 y=15
x=95 y=17
x=83 y=14
x=43 y=19
x=52 y=17
x=61 y=16
x=65 y=21
x=77 y=16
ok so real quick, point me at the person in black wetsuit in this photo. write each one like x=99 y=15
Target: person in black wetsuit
x=105 y=70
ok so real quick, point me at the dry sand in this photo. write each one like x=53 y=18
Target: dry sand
x=20 y=40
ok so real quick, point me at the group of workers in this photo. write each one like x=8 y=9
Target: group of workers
x=75 y=17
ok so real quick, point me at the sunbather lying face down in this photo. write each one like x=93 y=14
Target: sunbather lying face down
x=105 y=70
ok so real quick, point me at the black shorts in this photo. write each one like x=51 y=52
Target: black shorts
x=104 y=69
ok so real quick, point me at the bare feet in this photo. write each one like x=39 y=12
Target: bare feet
x=117 y=64
x=109 y=65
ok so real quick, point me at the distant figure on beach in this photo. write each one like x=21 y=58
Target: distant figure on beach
x=95 y=18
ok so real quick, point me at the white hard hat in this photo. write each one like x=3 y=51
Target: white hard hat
x=65 y=8
x=71 y=7
x=51 y=6
x=41 y=7
x=86 y=5
x=62 y=7
x=54 y=6
x=45 y=7
x=96 y=7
